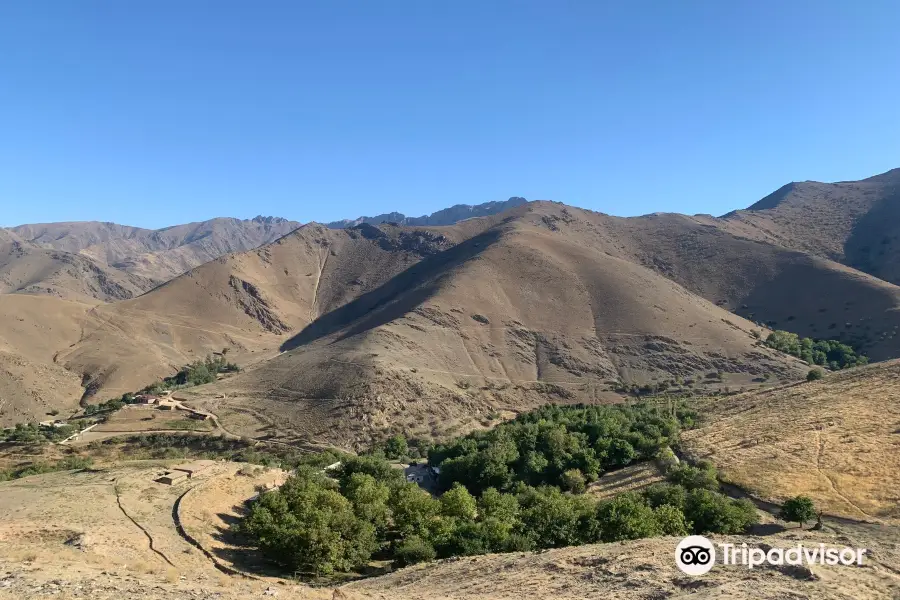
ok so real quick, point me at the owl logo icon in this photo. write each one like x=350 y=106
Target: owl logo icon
x=695 y=555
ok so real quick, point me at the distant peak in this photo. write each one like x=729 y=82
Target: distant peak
x=447 y=216
x=892 y=176
x=268 y=220
x=775 y=198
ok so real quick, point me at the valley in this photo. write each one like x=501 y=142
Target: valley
x=349 y=334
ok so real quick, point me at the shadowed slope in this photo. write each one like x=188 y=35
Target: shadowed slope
x=852 y=222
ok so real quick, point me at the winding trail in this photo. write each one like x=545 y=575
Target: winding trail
x=138 y=525
x=179 y=527
x=820 y=451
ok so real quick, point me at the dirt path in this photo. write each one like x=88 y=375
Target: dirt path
x=820 y=451
x=138 y=525
x=179 y=528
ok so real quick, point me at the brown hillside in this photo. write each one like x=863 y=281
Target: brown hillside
x=28 y=269
x=856 y=223
x=762 y=282
x=510 y=317
x=107 y=533
x=436 y=327
x=156 y=255
x=835 y=440
x=32 y=330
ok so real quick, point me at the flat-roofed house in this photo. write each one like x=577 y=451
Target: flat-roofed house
x=192 y=469
x=172 y=477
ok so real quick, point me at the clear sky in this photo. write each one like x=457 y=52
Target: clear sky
x=156 y=112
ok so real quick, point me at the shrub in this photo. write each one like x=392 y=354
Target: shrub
x=702 y=476
x=671 y=520
x=814 y=375
x=414 y=550
x=798 y=509
x=573 y=481
x=626 y=517
x=396 y=447
x=712 y=512
x=660 y=494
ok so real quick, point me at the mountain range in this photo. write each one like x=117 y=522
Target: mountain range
x=346 y=331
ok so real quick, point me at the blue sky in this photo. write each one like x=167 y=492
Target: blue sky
x=159 y=112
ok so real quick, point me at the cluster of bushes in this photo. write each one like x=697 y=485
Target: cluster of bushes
x=108 y=406
x=398 y=447
x=827 y=353
x=510 y=489
x=32 y=433
x=196 y=373
x=66 y=464
x=176 y=445
x=315 y=525
x=566 y=447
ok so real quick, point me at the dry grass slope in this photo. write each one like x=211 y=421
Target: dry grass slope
x=836 y=440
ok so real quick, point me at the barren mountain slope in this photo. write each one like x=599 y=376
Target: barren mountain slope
x=760 y=281
x=507 y=319
x=32 y=330
x=856 y=223
x=247 y=302
x=161 y=254
x=836 y=440
x=28 y=269
x=543 y=301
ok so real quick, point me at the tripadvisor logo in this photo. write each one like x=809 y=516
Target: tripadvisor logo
x=696 y=555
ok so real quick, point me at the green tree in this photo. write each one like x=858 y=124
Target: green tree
x=414 y=510
x=660 y=494
x=369 y=498
x=798 y=509
x=457 y=502
x=378 y=468
x=550 y=519
x=620 y=453
x=626 y=517
x=702 y=476
x=502 y=507
x=711 y=512
x=573 y=481
x=310 y=528
x=396 y=447
x=814 y=375
x=671 y=520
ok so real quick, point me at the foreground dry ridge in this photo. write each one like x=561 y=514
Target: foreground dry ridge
x=115 y=532
x=158 y=541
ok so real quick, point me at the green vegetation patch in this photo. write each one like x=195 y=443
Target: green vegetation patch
x=515 y=488
x=826 y=353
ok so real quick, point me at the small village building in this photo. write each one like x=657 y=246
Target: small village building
x=192 y=469
x=172 y=477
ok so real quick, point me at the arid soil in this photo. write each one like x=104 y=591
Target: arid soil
x=113 y=533
x=836 y=440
